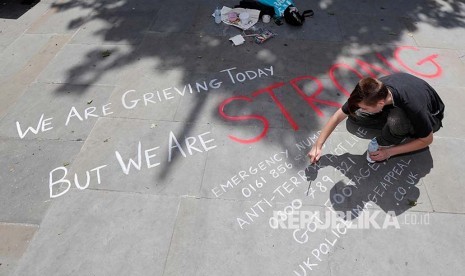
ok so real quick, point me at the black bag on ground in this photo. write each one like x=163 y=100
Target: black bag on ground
x=252 y=4
x=293 y=17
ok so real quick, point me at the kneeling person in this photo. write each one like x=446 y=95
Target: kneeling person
x=401 y=105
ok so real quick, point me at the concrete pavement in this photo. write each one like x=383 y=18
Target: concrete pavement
x=136 y=140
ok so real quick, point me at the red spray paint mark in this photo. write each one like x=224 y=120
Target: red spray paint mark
x=430 y=58
x=312 y=100
x=281 y=107
x=244 y=118
x=336 y=82
x=385 y=61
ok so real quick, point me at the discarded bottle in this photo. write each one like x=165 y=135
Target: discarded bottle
x=217 y=15
x=372 y=147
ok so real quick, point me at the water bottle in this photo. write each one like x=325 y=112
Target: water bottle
x=217 y=15
x=372 y=147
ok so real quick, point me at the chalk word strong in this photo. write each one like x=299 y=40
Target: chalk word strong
x=313 y=99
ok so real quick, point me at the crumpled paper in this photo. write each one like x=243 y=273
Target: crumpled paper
x=237 y=40
x=253 y=19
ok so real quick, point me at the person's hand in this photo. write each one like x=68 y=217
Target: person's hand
x=314 y=154
x=380 y=155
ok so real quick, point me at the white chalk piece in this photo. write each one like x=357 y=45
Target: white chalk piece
x=237 y=40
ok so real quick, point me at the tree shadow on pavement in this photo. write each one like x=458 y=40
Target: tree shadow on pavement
x=181 y=35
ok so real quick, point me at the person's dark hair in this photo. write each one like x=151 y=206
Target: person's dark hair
x=369 y=91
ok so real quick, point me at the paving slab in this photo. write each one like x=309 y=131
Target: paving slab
x=233 y=100
x=14 y=59
x=446 y=37
x=353 y=60
x=311 y=100
x=375 y=30
x=436 y=66
x=14 y=28
x=146 y=68
x=258 y=172
x=318 y=56
x=405 y=9
x=10 y=32
x=14 y=10
x=3 y=79
x=207 y=210
x=337 y=74
x=33 y=14
x=25 y=172
x=200 y=49
x=444 y=183
x=434 y=10
x=15 y=239
x=207 y=241
x=15 y=85
x=259 y=55
x=201 y=21
x=452 y=96
x=167 y=172
x=86 y=64
x=121 y=27
x=183 y=95
x=358 y=6
x=462 y=55
x=313 y=58
x=139 y=93
x=107 y=5
x=177 y=18
x=142 y=5
x=438 y=24
x=414 y=248
x=61 y=18
x=56 y=101
x=135 y=227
